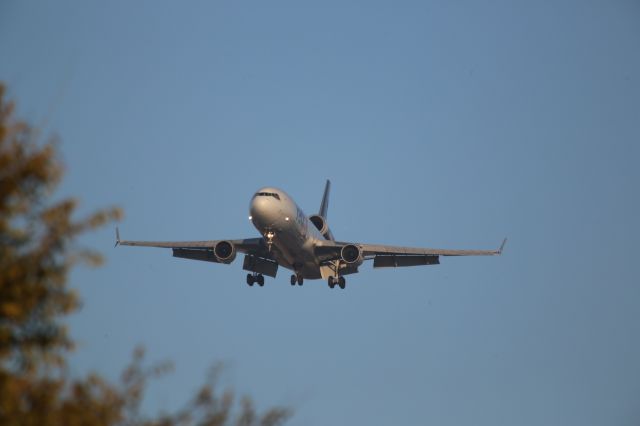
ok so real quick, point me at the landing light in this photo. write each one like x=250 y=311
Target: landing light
x=250 y=217
x=287 y=219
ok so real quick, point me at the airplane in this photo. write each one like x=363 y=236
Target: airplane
x=303 y=244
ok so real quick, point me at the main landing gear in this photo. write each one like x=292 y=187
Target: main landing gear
x=340 y=281
x=255 y=278
x=297 y=279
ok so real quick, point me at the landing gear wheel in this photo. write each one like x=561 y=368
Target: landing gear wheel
x=342 y=282
x=293 y=280
x=332 y=282
x=250 y=279
x=300 y=280
x=260 y=279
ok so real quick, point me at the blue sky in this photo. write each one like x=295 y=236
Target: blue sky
x=442 y=124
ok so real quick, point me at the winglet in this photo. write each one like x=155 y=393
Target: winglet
x=499 y=252
x=117 y=237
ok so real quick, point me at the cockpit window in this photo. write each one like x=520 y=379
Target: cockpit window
x=268 y=194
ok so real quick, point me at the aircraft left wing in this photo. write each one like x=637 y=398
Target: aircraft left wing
x=394 y=256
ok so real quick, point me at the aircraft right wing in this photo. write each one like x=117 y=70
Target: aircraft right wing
x=218 y=251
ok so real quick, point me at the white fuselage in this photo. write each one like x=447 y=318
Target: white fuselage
x=294 y=237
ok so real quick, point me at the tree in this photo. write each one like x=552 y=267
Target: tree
x=37 y=250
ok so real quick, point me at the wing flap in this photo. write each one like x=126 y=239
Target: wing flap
x=205 y=255
x=260 y=265
x=393 y=261
x=171 y=244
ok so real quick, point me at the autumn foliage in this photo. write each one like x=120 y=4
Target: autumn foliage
x=38 y=248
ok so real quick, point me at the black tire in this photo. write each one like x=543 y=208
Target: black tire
x=342 y=282
x=250 y=279
x=293 y=280
x=300 y=280
x=260 y=280
x=331 y=282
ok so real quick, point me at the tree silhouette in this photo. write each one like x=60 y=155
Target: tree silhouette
x=38 y=249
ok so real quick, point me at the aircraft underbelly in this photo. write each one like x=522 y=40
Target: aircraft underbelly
x=297 y=253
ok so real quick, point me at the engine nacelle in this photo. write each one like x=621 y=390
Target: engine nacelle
x=319 y=222
x=225 y=252
x=321 y=225
x=352 y=254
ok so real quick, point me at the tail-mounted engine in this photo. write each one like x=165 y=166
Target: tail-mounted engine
x=321 y=225
x=225 y=252
x=352 y=255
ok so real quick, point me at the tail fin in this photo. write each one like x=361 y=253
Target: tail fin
x=324 y=206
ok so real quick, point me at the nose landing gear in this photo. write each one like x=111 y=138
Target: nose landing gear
x=269 y=236
x=297 y=278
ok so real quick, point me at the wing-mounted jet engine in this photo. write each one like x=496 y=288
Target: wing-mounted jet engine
x=223 y=252
x=352 y=255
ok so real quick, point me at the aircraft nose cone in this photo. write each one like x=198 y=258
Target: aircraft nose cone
x=263 y=211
